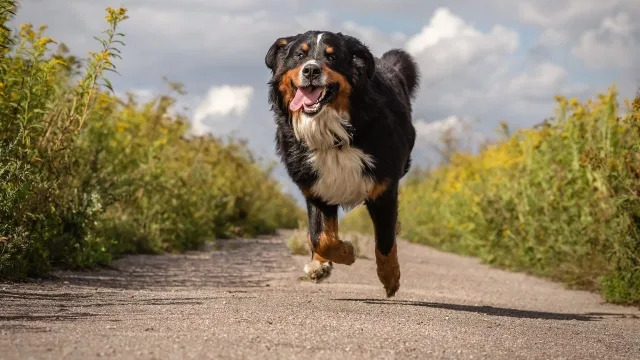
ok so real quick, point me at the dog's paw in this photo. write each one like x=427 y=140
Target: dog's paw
x=348 y=253
x=391 y=286
x=318 y=271
x=340 y=252
x=389 y=271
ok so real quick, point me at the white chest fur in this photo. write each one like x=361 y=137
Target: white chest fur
x=340 y=179
x=340 y=169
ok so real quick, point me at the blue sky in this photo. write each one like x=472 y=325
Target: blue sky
x=482 y=62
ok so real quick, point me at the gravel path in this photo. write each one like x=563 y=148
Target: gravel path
x=246 y=301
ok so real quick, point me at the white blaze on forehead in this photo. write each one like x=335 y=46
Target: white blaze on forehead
x=310 y=62
x=318 y=44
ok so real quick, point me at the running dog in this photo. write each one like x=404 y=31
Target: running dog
x=345 y=135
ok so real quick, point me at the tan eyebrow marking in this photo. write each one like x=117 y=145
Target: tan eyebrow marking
x=304 y=47
x=329 y=50
x=282 y=42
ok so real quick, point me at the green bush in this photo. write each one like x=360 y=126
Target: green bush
x=85 y=175
x=559 y=201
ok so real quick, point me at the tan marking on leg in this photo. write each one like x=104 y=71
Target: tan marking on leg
x=307 y=194
x=389 y=270
x=330 y=247
x=378 y=189
x=316 y=256
x=319 y=258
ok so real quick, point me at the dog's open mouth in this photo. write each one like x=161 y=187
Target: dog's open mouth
x=311 y=99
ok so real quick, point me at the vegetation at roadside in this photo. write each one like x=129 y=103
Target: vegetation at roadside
x=85 y=175
x=297 y=242
x=561 y=200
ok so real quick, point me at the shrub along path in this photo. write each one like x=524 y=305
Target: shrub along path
x=246 y=301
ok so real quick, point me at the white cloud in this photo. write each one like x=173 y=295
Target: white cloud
x=615 y=43
x=378 y=42
x=437 y=138
x=539 y=83
x=448 y=45
x=591 y=23
x=431 y=133
x=442 y=26
x=218 y=34
x=459 y=63
x=235 y=5
x=317 y=20
x=553 y=37
x=568 y=16
x=479 y=75
x=222 y=104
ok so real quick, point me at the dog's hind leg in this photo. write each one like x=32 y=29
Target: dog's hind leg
x=324 y=241
x=384 y=214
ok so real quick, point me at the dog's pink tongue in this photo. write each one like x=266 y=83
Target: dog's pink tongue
x=305 y=96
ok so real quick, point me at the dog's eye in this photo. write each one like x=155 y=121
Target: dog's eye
x=331 y=57
x=299 y=55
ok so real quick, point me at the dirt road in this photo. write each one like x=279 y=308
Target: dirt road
x=246 y=301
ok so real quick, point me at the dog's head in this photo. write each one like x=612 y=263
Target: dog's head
x=318 y=69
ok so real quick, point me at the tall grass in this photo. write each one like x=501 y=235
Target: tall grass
x=561 y=200
x=85 y=175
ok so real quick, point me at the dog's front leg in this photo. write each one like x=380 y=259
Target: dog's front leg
x=324 y=241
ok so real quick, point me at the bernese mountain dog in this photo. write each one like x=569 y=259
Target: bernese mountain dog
x=345 y=135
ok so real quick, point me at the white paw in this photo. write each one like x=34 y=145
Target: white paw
x=318 y=271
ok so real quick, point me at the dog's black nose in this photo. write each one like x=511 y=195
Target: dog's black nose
x=311 y=71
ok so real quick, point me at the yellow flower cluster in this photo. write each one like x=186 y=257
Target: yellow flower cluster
x=116 y=15
x=44 y=41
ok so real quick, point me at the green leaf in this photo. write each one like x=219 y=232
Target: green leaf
x=108 y=85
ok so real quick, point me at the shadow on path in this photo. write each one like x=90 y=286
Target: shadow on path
x=98 y=295
x=239 y=263
x=496 y=311
x=48 y=305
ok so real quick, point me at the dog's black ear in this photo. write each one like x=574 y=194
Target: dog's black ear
x=273 y=55
x=361 y=54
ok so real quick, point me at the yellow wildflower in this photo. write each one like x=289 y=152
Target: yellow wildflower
x=59 y=61
x=574 y=102
x=121 y=127
x=26 y=32
x=42 y=42
x=116 y=15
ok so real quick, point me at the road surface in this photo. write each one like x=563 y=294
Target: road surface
x=246 y=301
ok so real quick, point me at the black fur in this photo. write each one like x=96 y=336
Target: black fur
x=319 y=214
x=380 y=116
x=406 y=66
